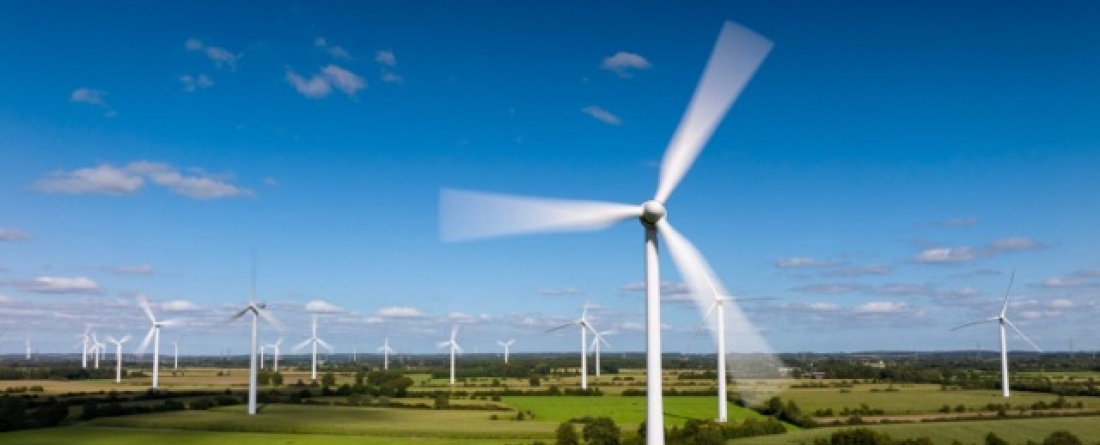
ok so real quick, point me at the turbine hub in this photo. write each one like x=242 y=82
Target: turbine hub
x=652 y=212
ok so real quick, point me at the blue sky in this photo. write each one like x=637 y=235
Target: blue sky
x=880 y=177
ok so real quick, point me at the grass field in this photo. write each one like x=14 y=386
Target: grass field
x=86 y=435
x=627 y=412
x=1016 y=431
x=911 y=399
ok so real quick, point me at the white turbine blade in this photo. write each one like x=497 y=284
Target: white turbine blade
x=734 y=60
x=1028 y=340
x=443 y=344
x=302 y=344
x=270 y=319
x=324 y=345
x=172 y=322
x=148 y=338
x=111 y=339
x=704 y=284
x=973 y=323
x=510 y=342
x=458 y=348
x=124 y=339
x=1004 y=306
x=702 y=324
x=562 y=326
x=466 y=215
x=237 y=315
x=144 y=303
x=502 y=344
x=454 y=332
x=276 y=345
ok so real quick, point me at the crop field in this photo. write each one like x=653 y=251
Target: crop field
x=942 y=433
x=124 y=436
x=912 y=399
x=625 y=411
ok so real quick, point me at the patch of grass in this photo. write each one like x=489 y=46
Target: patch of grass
x=125 y=436
x=942 y=433
x=625 y=411
x=914 y=398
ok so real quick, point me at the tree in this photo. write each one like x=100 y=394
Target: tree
x=329 y=379
x=993 y=439
x=1062 y=437
x=601 y=431
x=566 y=435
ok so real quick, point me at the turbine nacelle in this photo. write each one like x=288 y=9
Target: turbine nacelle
x=652 y=212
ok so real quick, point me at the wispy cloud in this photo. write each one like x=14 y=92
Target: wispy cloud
x=107 y=179
x=322 y=306
x=602 y=115
x=388 y=60
x=195 y=83
x=669 y=291
x=959 y=222
x=858 y=271
x=882 y=307
x=59 y=285
x=557 y=292
x=179 y=306
x=336 y=51
x=321 y=84
x=943 y=255
x=13 y=235
x=140 y=269
x=624 y=63
x=829 y=289
x=84 y=95
x=948 y=255
x=400 y=312
x=220 y=56
x=800 y=262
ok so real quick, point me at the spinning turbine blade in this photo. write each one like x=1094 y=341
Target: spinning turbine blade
x=443 y=344
x=270 y=319
x=466 y=215
x=1028 y=340
x=302 y=345
x=324 y=345
x=735 y=58
x=562 y=326
x=702 y=324
x=974 y=323
x=1004 y=306
x=704 y=283
x=148 y=338
x=144 y=303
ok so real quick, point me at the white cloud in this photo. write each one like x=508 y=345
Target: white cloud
x=822 y=307
x=829 y=289
x=602 y=115
x=107 y=179
x=857 y=271
x=5 y=299
x=88 y=96
x=960 y=293
x=140 y=269
x=220 y=56
x=1061 y=303
x=60 y=285
x=179 y=306
x=321 y=84
x=563 y=291
x=1058 y=282
x=400 y=312
x=389 y=77
x=194 y=83
x=623 y=63
x=386 y=58
x=322 y=306
x=800 y=261
x=1012 y=244
x=943 y=255
x=631 y=326
x=959 y=222
x=900 y=289
x=881 y=307
x=462 y=317
x=12 y=235
x=1031 y=315
x=104 y=179
x=336 y=51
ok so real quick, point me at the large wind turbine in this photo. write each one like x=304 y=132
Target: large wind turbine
x=507 y=345
x=315 y=341
x=97 y=349
x=258 y=310
x=386 y=350
x=585 y=327
x=274 y=346
x=118 y=355
x=1002 y=320
x=154 y=336
x=595 y=346
x=469 y=215
x=454 y=347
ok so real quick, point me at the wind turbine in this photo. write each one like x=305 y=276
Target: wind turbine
x=29 y=348
x=97 y=349
x=118 y=355
x=1002 y=320
x=175 y=354
x=595 y=346
x=386 y=350
x=469 y=215
x=585 y=327
x=262 y=347
x=315 y=341
x=454 y=347
x=274 y=346
x=506 y=345
x=258 y=310
x=85 y=340
x=154 y=336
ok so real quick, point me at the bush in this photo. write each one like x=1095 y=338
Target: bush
x=601 y=431
x=1062 y=438
x=566 y=435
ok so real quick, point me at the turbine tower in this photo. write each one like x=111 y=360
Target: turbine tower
x=29 y=348
x=585 y=327
x=97 y=349
x=175 y=354
x=85 y=341
x=313 y=339
x=507 y=345
x=595 y=346
x=118 y=355
x=386 y=350
x=275 y=347
x=154 y=336
x=1002 y=320
x=257 y=310
x=470 y=215
x=453 y=343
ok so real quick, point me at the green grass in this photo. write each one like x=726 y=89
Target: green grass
x=86 y=435
x=628 y=412
x=334 y=420
x=942 y=433
x=913 y=399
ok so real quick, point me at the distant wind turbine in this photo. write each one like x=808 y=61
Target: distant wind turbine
x=175 y=354
x=257 y=310
x=274 y=347
x=118 y=355
x=1002 y=320
x=595 y=346
x=453 y=344
x=506 y=345
x=154 y=336
x=468 y=215
x=386 y=350
x=314 y=340
x=29 y=348
x=97 y=349
x=585 y=327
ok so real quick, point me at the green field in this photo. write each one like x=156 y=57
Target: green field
x=1016 y=431
x=913 y=399
x=86 y=435
x=625 y=411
